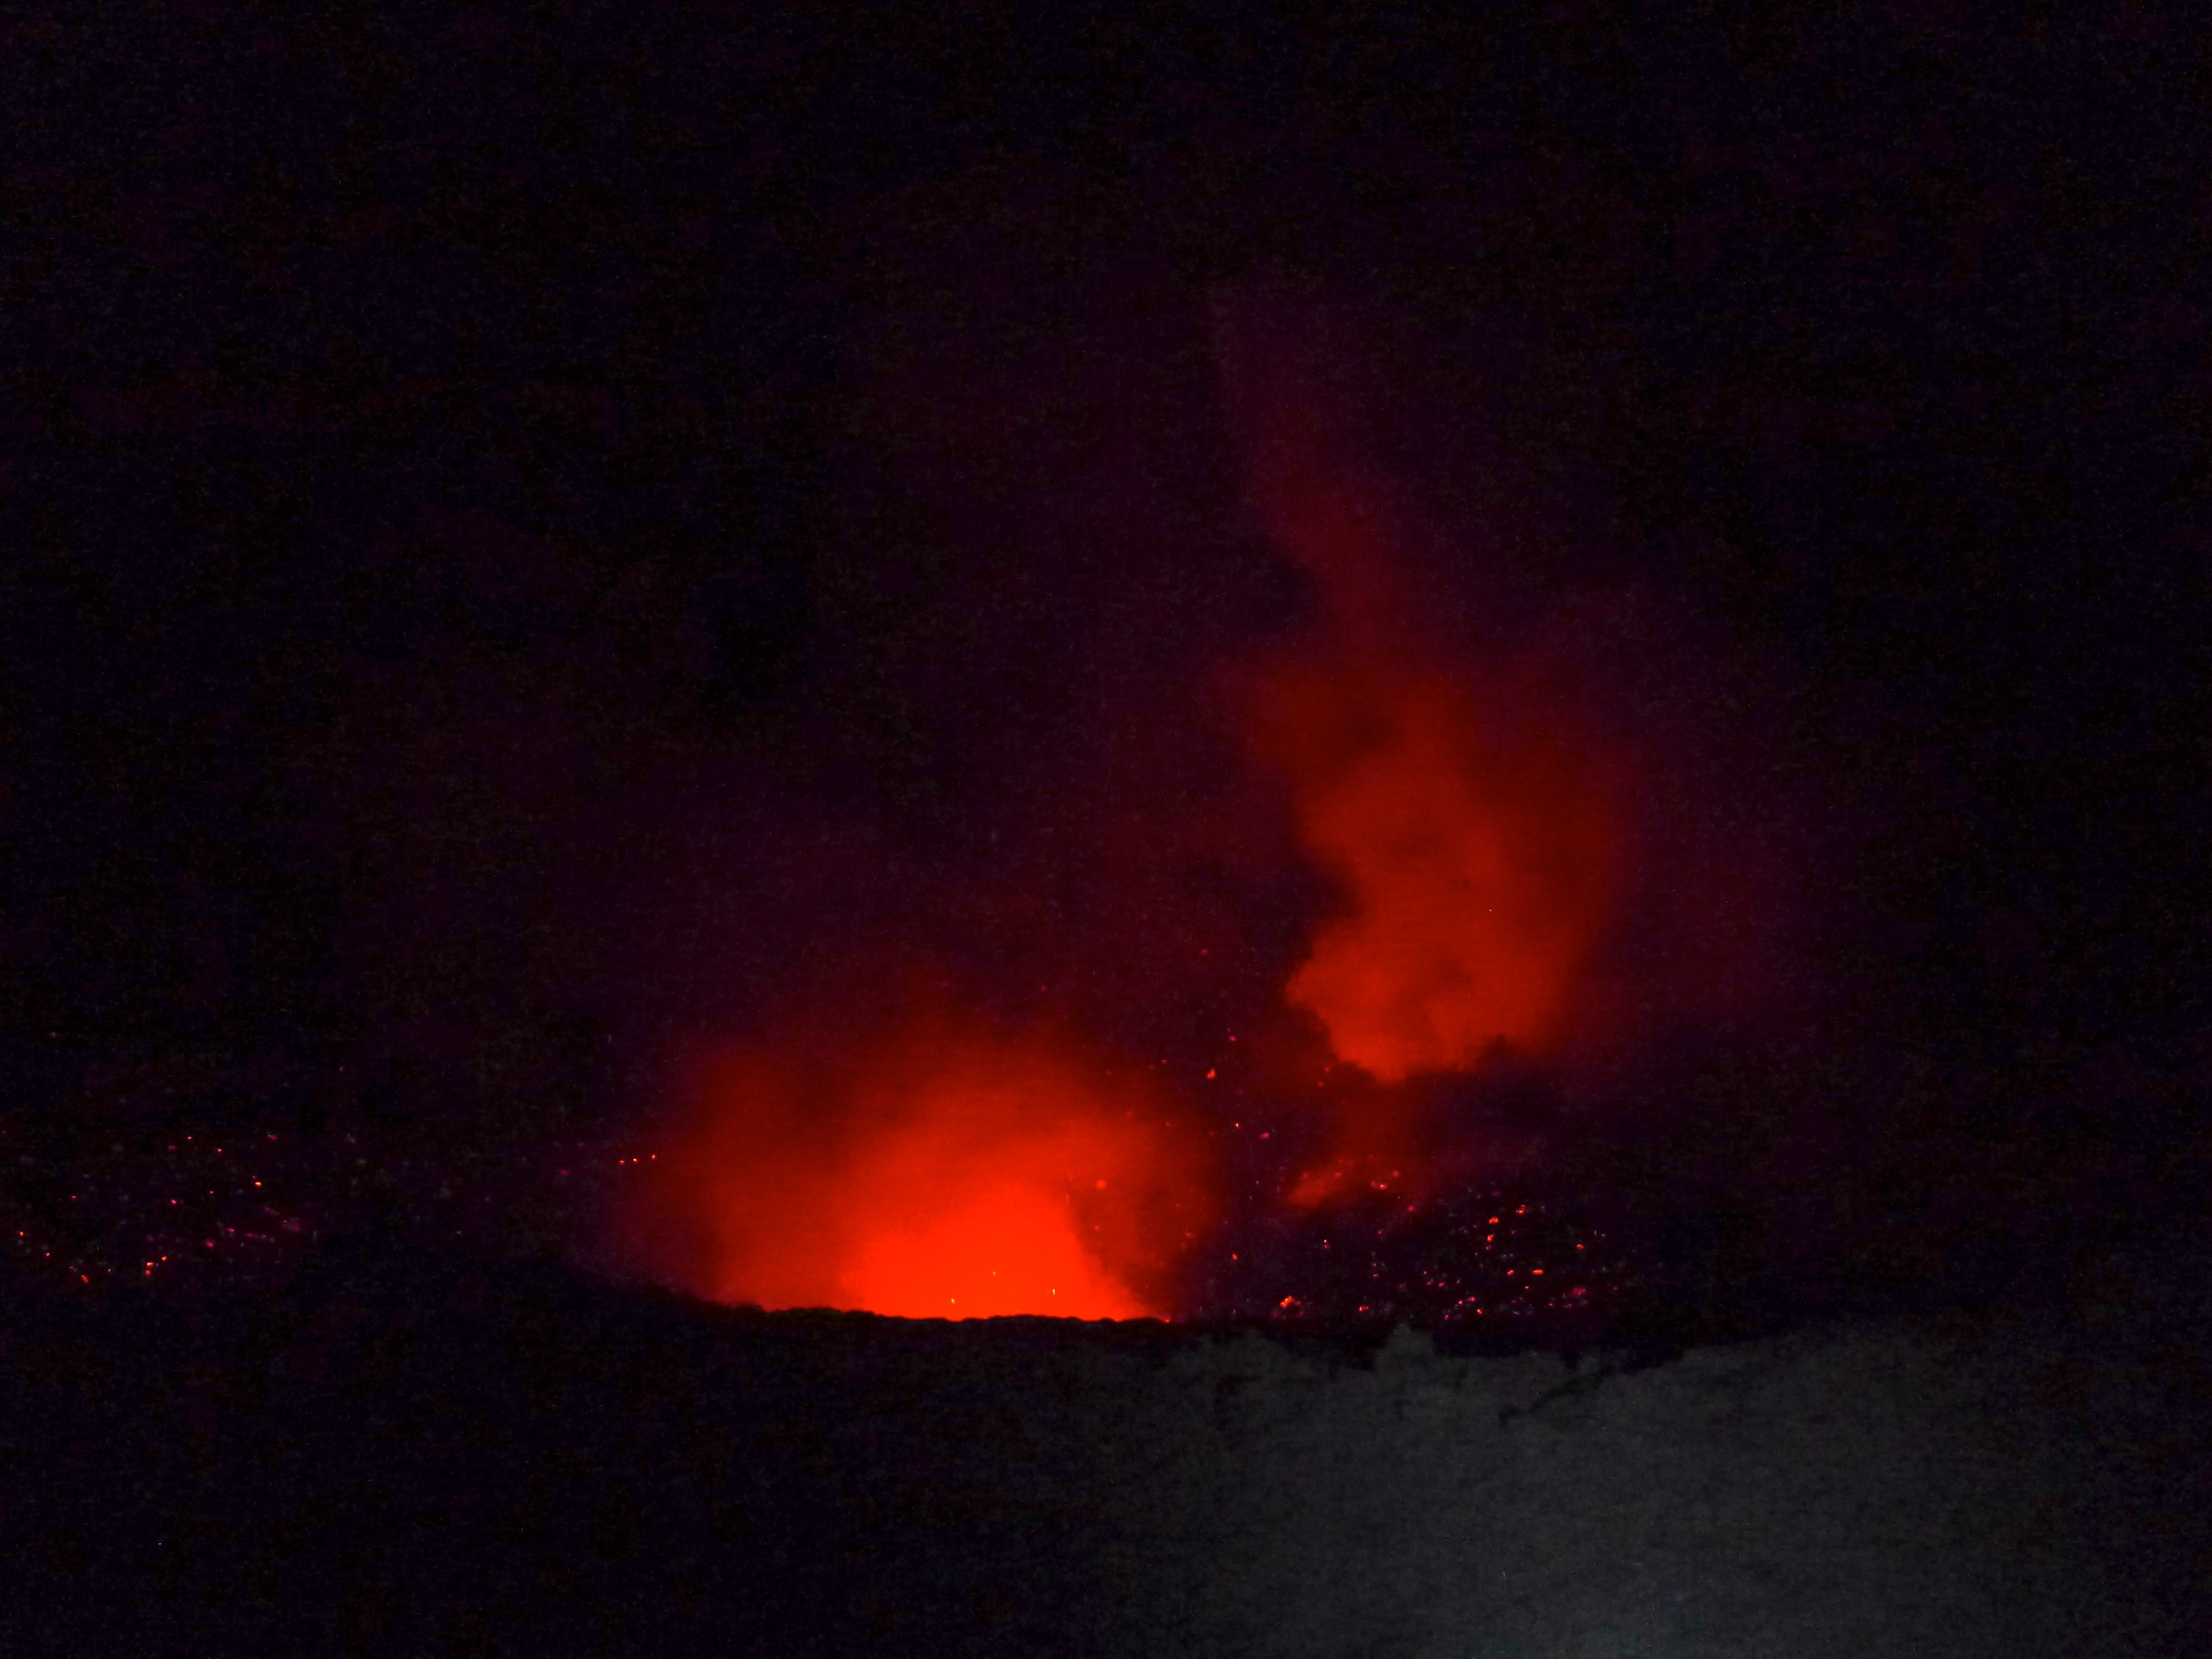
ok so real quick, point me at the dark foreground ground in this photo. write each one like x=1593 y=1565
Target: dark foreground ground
x=409 y=1453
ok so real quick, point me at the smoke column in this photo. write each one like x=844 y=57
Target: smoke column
x=1469 y=821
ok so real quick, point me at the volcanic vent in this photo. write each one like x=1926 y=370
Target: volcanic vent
x=1491 y=911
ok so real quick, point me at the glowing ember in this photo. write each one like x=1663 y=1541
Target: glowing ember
x=1476 y=1261
x=180 y=1210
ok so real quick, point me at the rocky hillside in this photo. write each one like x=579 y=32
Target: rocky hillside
x=418 y=1454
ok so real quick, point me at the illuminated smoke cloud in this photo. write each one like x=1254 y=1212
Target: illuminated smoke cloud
x=1476 y=867
x=1468 y=821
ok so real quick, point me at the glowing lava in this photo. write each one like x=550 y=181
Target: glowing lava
x=941 y=1171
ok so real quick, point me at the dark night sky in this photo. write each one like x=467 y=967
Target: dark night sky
x=518 y=530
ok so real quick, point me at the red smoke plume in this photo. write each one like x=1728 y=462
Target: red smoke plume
x=1471 y=821
x=1476 y=862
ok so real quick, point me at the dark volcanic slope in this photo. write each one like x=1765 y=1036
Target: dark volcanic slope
x=405 y=1454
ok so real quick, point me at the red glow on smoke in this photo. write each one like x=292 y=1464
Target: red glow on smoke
x=938 y=1169
x=1467 y=816
x=1476 y=865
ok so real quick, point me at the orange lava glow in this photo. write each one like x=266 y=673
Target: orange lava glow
x=941 y=1171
